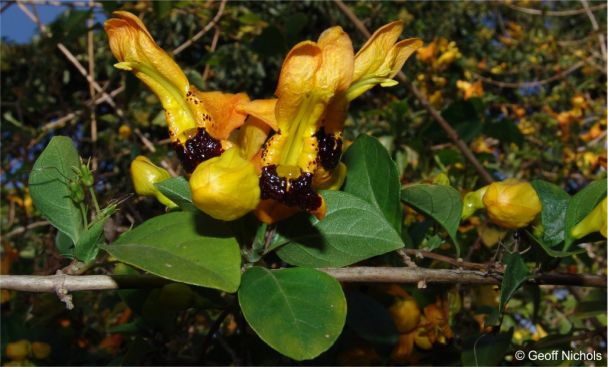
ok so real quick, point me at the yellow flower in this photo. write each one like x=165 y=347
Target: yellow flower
x=316 y=84
x=225 y=187
x=593 y=222
x=381 y=58
x=511 y=203
x=144 y=175
x=434 y=327
x=470 y=90
x=406 y=314
x=448 y=53
x=18 y=350
x=124 y=131
x=199 y=122
x=427 y=54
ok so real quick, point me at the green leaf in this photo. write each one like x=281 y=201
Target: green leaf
x=183 y=247
x=178 y=190
x=582 y=204
x=300 y=312
x=49 y=189
x=352 y=231
x=486 y=349
x=88 y=245
x=550 y=251
x=64 y=245
x=370 y=319
x=554 y=202
x=373 y=177
x=442 y=203
x=516 y=273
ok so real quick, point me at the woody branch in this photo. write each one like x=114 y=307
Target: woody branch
x=361 y=274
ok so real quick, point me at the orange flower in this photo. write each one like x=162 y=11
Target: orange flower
x=470 y=90
x=316 y=84
x=200 y=123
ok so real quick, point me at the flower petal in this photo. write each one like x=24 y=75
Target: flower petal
x=296 y=81
x=401 y=51
x=252 y=136
x=271 y=211
x=373 y=54
x=262 y=109
x=225 y=117
x=131 y=41
x=336 y=71
x=136 y=51
x=330 y=180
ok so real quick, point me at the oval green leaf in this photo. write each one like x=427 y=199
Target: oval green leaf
x=554 y=201
x=373 y=177
x=183 y=247
x=49 y=189
x=442 y=203
x=352 y=230
x=299 y=312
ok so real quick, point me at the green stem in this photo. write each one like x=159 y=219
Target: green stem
x=83 y=213
x=95 y=202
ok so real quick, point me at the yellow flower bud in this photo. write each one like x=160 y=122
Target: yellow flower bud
x=145 y=174
x=406 y=315
x=225 y=187
x=472 y=202
x=18 y=350
x=41 y=350
x=593 y=222
x=124 y=131
x=511 y=203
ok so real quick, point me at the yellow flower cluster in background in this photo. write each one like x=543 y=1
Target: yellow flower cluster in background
x=20 y=352
x=418 y=329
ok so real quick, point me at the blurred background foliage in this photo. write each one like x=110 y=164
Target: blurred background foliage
x=523 y=83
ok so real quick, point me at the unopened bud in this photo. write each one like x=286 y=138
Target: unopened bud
x=225 y=187
x=512 y=203
x=145 y=174
x=593 y=222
